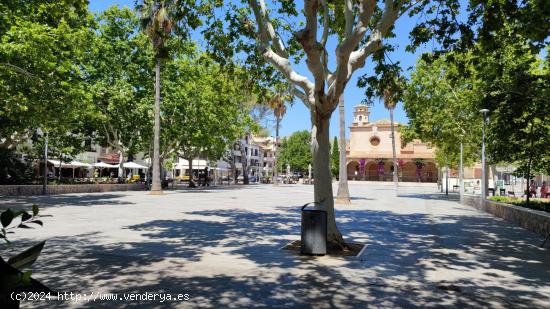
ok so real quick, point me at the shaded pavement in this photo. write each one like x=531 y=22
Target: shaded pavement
x=223 y=248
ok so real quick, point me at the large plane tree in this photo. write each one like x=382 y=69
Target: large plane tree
x=355 y=28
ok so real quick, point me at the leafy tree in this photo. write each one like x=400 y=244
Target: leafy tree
x=296 y=152
x=14 y=170
x=278 y=105
x=41 y=73
x=119 y=74
x=272 y=42
x=516 y=86
x=334 y=157
x=157 y=20
x=202 y=108
x=442 y=108
x=499 y=71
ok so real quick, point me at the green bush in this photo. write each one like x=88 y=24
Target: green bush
x=14 y=170
x=534 y=203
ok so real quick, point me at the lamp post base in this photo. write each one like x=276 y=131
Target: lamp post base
x=342 y=201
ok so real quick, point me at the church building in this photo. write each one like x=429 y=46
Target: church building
x=369 y=152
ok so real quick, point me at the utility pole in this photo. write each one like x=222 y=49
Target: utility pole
x=483 y=163
x=45 y=183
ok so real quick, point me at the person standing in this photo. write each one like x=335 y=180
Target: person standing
x=544 y=190
x=205 y=180
x=533 y=189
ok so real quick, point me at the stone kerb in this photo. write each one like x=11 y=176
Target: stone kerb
x=24 y=190
x=529 y=219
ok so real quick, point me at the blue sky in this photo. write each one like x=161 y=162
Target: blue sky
x=297 y=117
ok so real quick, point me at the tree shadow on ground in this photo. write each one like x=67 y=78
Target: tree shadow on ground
x=233 y=259
x=356 y=198
x=84 y=199
x=209 y=189
x=431 y=196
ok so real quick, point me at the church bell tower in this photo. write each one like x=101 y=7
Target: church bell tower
x=361 y=115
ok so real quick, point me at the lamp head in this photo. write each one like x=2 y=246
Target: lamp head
x=484 y=111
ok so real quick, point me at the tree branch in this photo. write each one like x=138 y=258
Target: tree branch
x=343 y=69
x=275 y=53
x=313 y=49
x=265 y=27
x=350 y=18
x=301 y=95
x=324 y=38
x=283 y=65
x=357 y=58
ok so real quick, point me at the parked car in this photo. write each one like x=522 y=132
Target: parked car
x=251 y=178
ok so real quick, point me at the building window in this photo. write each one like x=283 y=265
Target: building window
x=375 y=141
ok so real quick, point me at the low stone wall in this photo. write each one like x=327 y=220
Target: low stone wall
x=24 y=190
x=529 y=219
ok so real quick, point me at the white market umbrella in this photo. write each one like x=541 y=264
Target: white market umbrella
x=105 y=165
x=102 y=165
x=71 y=164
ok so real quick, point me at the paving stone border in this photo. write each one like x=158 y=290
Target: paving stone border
x=25 y=190
x=533 y=220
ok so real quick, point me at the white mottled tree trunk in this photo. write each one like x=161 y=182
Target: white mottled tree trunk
x=323 y=193
x=342 y=197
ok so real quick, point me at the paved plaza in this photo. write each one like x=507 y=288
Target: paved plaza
x=222 y=246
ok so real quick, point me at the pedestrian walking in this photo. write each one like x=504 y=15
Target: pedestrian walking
x=544 y=190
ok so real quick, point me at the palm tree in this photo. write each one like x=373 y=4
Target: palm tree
x=390 y=102
x=342 y=196
x=277 y=104
x=157 y=23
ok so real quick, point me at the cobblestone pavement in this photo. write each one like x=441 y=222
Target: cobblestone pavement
x=222 y=246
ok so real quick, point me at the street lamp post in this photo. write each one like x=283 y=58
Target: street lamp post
x=461 y=173
x=483 y=167
x=45 y=179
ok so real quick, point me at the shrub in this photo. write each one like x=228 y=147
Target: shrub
x=14 y=170
x=537 y=204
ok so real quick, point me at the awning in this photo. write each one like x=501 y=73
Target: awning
x=72 y=164
x=184 y=164
x=105 y=165
x=505 y=169
x=110 y=158
x=133 y=165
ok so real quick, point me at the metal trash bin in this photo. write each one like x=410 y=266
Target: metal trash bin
x=314 y=231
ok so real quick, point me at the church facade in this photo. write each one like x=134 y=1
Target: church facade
x=369 y=153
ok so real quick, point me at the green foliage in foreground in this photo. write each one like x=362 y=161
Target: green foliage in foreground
x=534 y=203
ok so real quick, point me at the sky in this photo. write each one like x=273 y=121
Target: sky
x=297 y=116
